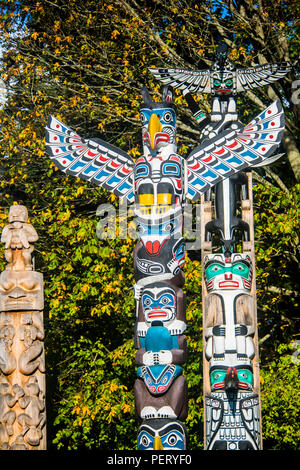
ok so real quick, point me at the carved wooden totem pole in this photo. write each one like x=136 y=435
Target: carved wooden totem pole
x=159 y=183
x=231 y=369
x=22 y=359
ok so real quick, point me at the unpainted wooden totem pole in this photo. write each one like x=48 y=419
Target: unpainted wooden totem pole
x=230 y=361
x=22 y=358
x=158 y=184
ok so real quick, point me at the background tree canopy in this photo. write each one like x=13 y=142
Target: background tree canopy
x=85 y=62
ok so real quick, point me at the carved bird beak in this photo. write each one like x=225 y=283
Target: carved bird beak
x=154 y=126
x=157 y=444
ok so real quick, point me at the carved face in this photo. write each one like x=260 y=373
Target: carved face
x=159 y=304
x=228 y=273
x=158 y=185
x=18 y=213
x=162 y=434
x=155 y=233
x=222 y=83
x=243 y=376
x=158 y=127
x=21 y=290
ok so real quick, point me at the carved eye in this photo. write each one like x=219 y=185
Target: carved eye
x=165 y=300
x=228 y=82
x=169 y=227
x=240 y=267
x=167 y=117
x=172 y=439
x=145 y=441
x=143 y=118
x=147 y=302
x=215 y=268
x=140 y=229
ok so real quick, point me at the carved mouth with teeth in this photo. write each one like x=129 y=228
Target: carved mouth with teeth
x=156 y=314
x=232 y=284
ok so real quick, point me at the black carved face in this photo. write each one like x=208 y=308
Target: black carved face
x=162 y=434
x=222 y=83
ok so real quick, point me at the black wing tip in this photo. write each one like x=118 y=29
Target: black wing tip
x=49 y=119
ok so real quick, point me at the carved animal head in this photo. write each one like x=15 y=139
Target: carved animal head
x=228 y=273
x=158 y=121
x=231 y=378
x=162 y=434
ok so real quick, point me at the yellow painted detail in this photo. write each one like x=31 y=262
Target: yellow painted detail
x=164 y=198
x=154 y=126
x=146 y=199
x=157 y=444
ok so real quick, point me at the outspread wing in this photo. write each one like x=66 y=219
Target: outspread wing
x=260 y=75
x=185 y=80
x=234 y=150
x=91 y=159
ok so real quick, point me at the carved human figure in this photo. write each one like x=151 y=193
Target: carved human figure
x=7 y=414
x=18 y=237
x=7 y=358
x=33 y=419
x=31 y=333
x=161 y=389
x=161 y=301
x=229 y=321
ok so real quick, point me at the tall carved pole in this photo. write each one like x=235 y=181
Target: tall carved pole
x=22 y=359
x=159 y=183
x=230 y=360
x=160 y=389
x=231 y=368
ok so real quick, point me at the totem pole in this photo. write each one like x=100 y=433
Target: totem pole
x=22 y=359
x=230 y=362
x=159 y=183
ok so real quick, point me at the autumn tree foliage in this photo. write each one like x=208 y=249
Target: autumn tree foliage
x=85 y=62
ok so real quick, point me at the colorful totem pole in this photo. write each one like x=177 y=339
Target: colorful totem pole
x=159 y=183
x=230 y=362
x=22 y=358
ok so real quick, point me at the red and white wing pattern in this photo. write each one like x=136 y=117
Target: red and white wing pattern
x=185 y=80
x=234 y=150
x=90 y=159
x=260 y=75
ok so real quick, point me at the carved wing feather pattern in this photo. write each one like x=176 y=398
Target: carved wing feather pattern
x=234 y=150
x=260 y=75
x=91 y=159
x=185 y=80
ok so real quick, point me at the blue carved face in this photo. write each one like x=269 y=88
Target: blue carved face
x=161 y=434
x=166 y=116
x=159 y=304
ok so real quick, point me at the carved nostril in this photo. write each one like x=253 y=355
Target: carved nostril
x=17 y=293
